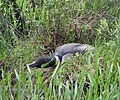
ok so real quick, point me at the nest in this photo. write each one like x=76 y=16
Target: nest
x=74 y=70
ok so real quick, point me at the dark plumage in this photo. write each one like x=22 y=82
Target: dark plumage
x=49 y=61
x=61 y=53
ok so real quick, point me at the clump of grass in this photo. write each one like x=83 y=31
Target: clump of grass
x=71 y=80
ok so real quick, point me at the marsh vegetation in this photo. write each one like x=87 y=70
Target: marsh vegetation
x=32 y=28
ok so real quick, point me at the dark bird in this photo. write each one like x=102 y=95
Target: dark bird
x=61 y=53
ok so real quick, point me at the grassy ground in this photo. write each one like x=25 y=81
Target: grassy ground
x=52 y=23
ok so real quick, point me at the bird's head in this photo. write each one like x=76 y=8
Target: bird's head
x=45 y=61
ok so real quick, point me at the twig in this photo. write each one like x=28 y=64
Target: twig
x=6 y=57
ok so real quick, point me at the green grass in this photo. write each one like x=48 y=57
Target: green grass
x=66 y=82
x=50 y=23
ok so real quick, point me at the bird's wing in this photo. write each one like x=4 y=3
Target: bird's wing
x=72 y=48
x=83 y=48
x=66 y=48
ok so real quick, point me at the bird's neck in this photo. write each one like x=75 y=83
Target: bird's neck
x=47 y=61
x=52 y=60
x=58 y=58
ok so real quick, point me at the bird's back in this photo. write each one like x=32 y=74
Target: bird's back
x=73 y=48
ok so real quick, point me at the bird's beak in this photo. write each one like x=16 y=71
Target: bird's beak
x=28 y=66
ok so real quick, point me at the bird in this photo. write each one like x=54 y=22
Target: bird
x=60 y=55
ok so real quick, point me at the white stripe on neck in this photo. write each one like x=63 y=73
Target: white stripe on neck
x=57 y=59
x=67 y=56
